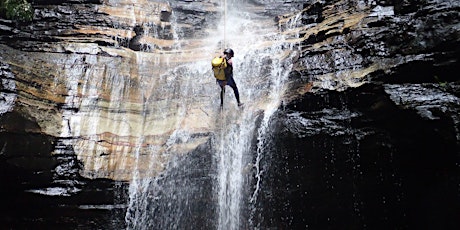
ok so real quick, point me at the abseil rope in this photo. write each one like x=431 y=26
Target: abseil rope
x=225 y=25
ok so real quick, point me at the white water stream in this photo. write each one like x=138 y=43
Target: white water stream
x=261 y=67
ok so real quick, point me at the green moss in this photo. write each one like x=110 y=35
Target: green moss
x=19 y=10
x=443 y=84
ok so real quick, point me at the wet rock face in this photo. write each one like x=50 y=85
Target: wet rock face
x=187 y=183
x=374 y=140
x=368 y=157
x=74 y=58
x=379 y=155
x=78 y=47
x=78 y=58
x=345 y=153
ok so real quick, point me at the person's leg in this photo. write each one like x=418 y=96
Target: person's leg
x=232 y=84
x=222 y=93
x=237 y=94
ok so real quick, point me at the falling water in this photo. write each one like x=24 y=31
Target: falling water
x=170 y=200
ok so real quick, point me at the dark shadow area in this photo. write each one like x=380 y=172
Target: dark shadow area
x=355 y=160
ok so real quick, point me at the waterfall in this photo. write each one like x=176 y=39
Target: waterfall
x=216 y=179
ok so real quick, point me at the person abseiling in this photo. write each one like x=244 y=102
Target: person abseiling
x=228 y=54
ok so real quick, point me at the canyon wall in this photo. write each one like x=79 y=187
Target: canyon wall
x=79 y=83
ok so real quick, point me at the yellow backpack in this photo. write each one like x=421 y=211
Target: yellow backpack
x=218 y=66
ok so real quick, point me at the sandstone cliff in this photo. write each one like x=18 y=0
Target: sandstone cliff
x=73 y=72
x=84 y=84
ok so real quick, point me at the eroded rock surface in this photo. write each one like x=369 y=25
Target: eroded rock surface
x=84 y=86
x=348 y=43
x=73 y=72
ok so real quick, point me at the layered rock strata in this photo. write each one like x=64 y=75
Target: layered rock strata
x=73 y=73
x=75 y=67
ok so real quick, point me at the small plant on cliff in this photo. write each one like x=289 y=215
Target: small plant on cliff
x=442 y=84
x=19 y=10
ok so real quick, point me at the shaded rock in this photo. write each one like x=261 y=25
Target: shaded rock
x=358 y=158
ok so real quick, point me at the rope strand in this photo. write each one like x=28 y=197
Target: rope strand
x=225 y=25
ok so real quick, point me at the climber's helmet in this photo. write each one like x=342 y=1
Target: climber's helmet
x=229 y=52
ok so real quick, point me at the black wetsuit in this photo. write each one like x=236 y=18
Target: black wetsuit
x=230 y=82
